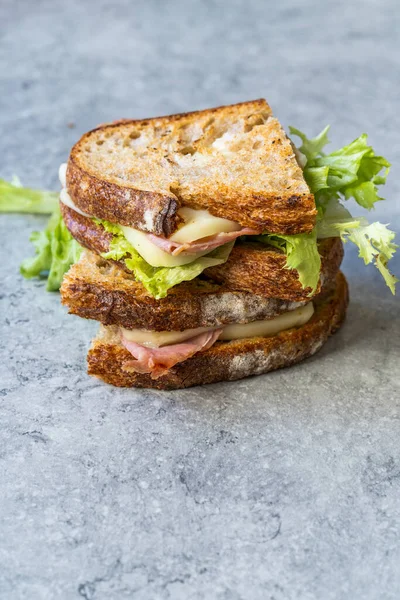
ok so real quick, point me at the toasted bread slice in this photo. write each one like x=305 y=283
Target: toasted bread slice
x=235 y=161
x=226 y=361
x=260 y=269
x=85 y=230
x=98 y=289
x=252 y=266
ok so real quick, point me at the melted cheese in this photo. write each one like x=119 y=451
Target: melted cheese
x=287 y=320
x=62 y=174
x=64 y=196
x=67 y=200
x=197 y=224
x=200 y=224
x=152 y=253
x=236 y=331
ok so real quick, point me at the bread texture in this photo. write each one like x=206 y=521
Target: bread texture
x=98 y=289
x=235 y=161
x=86 y=231
x=226 y=361
x=260 y=269
x=251 y=267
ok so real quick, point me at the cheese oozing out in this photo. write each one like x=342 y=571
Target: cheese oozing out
x=235 y=331
x=64 y=196
x=62 y=175
x=67 y=200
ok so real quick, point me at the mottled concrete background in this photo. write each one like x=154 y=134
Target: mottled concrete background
x=280 y=487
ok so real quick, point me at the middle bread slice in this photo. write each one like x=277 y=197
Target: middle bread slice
x=98 y=289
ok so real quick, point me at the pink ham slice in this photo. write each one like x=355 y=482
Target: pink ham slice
x=157 y=361
x=202 y=245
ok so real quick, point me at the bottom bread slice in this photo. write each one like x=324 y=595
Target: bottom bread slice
x=226 y=361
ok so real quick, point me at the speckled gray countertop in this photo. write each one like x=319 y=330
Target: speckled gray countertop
x=285 y=486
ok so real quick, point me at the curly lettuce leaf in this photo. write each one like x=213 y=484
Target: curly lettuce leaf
x=375 y=242
x=158 y=280
x=301 y=254
x=56 y=251
x=353 y=171
x=15 y=198
x=311 y=147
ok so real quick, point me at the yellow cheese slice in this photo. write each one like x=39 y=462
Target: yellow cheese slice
x=200 y=224
x=153 y=254
x=287 y=320
x=155 y=339
x=67 y=200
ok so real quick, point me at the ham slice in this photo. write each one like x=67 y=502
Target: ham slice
x=202 y=245
x=158 y=361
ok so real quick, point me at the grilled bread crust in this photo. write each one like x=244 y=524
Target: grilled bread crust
x=226 y=361
x=235 y=161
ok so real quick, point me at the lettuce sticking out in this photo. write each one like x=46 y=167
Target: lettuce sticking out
x=15 y=198
x=353 y=171
x=158 y=280
x=56 y=251
x=374 y=241
x=301 y=254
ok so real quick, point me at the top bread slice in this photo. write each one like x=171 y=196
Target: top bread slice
x=235 y=161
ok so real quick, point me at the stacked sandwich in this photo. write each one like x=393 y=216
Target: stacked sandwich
x=190 y=225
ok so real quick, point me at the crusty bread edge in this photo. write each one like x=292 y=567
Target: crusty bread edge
x=228 y=361
x=200 y=303
x=125 y=205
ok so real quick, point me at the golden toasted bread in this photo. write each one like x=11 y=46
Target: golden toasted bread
x=260 y=269
x=235 y=161
x=226 y=361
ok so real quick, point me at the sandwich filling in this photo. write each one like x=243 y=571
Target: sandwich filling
x=199 y=233
x=353 y=171
x=157 y=352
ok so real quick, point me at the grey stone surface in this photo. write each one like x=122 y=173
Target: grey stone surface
x=285 y=486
